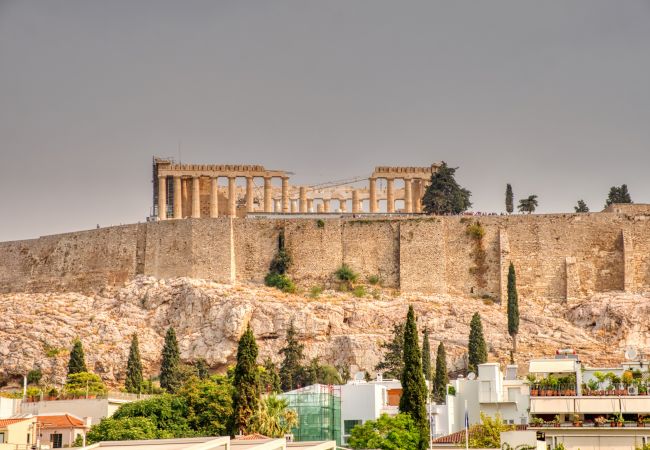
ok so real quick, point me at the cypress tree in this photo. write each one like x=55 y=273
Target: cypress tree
x=170 y=366
x=513 y=307
x=246 y=393
x=441 y=377
x=291 y=370
x=202 y=369
x=77 y=362
x=393 y=362
x=133 y=383
x=426 y=356
x=476 y=348
x=509 y=205
x=414 y=391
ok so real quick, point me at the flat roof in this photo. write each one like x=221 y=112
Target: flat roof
x=552 y=366
x=313 y=445
x=200 y=443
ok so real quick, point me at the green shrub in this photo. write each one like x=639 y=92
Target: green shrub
x=359 y=291
x=476 y=230
x=320 y=223
x=345 y=273
x=315 y=291
x=281 y=262
x=34 y=376
x=280 y=281
x=451 y=390
x=373 y=279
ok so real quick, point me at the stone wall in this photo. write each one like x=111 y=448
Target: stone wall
x=556 y=256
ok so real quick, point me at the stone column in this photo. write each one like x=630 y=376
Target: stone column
x=303 y=199
x=294 y=205
x=196 y=198
x=326 y=205
x=232 y=197
x=249 y=194
x=277 y=205
x=373 y=195
x=162 y=198
x=417 y=195
x=408 y=196
x=285 y=194
x=186 y=195
x=268 y=190
x=214 y=197
x=390 y=196
x=319 y=208
x=310 y=205
x=343 y=205
x=178 y=203
x=355 y=201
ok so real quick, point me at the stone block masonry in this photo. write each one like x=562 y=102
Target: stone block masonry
x=555 y=256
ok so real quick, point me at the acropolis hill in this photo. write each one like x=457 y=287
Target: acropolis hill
x=583 y=279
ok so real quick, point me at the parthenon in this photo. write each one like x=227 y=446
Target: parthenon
x=193 y=190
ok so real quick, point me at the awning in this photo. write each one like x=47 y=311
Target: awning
x=552 y=366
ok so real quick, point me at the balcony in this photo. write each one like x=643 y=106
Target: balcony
x=637 y=404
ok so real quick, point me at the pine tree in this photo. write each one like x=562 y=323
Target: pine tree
x=246 y=394
x=513 y=307
x=509 y=207
x=133 y=383
x=170 y=366
x=77 y=362
x=414 y=391
x=393 y=362
x=444 y=195
x=528 y=205
x=618 y=194
x=477 y=349
x=581 y=207
x=441 y=378
x=291 y=369
x=202 y=369
x=426 y=356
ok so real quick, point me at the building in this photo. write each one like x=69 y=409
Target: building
x=255 y=442
x=319 y=412
x=9 y=407
x=61 y=430
x=16 y=433
x=193 y=190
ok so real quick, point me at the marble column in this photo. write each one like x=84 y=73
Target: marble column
x=303 y=199
x=268 y=191
x=355 y=201
x=232 y=197
x=178 y=203
x=326 y=205
x=408 y=196
x=285 y=194
x=196 y=198
x=186 y=195
x=373 y=195
x=249 y=194
x=417 y=195
x=277 y=205
x=310 y=205
x=319 y=208
x=343 y=205
x=214 y=197
x=390 y=196
x=162 y=198
x=294 y=205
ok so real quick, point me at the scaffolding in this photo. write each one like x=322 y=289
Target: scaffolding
x=319 y=412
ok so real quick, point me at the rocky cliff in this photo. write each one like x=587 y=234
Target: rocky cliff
x=37 y=329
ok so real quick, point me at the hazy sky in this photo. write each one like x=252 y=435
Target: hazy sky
x=551 y=96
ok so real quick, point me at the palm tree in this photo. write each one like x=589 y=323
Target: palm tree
x=273 y=418
x=528 y=205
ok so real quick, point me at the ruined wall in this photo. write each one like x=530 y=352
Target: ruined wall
x=555 y=256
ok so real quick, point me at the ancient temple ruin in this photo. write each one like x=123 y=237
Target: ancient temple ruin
x=194 y=190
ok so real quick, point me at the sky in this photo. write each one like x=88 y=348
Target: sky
x=550 y=96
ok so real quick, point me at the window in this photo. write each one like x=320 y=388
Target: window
x=2 y=438
x=57 y=440
x=349 y=424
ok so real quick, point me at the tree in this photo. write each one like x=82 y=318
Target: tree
x=270 y=378
x=444 y=195
x=509 y=208
x=274 y=418
x=581 y=207
x=134 y=380
x=426 y=356
x=513 y=307
x=488 y=433
x=393 y=362
x=77 y=362
x=441 y=378
x=84 y=383
x=208 y=405
x=169 y=368
x=386 y=433
x=168 y=412
x=414 y=391
x=291 y=370
x=618 y=194
x=528 y=205
x=246 y=394
x=202 y=369
x=126 y=429
x=477 y=349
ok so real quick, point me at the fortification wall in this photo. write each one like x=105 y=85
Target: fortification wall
x=555 y=256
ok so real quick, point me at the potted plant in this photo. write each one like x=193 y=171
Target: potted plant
x=600 y=421
x=600 y=378
x=537 y=421
x=576 y=420
x=617 y=420
x=593 y=387
x=52 y=394
x=556 y=421
x=534 y=388
x=552 y=386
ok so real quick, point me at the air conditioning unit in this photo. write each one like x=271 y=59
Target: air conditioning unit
x=633 y=390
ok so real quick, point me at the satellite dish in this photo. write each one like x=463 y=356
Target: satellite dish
x=360 y=376
x=471 y=376
x=631 y=353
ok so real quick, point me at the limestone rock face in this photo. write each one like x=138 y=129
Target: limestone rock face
x=37 y=329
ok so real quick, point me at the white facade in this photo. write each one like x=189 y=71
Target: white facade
x=9 y=407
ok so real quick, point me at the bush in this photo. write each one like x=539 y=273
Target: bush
x=345 y=273
x=476 y=230
x=315 y=291
x=373 y=279
x=34 y=376
x=359 y=291
x=281 y=262
x=281 y=282
x=320 y=223
x=451 y=390
x=79 y=383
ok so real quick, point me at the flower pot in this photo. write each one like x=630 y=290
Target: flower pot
x=577 y=424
